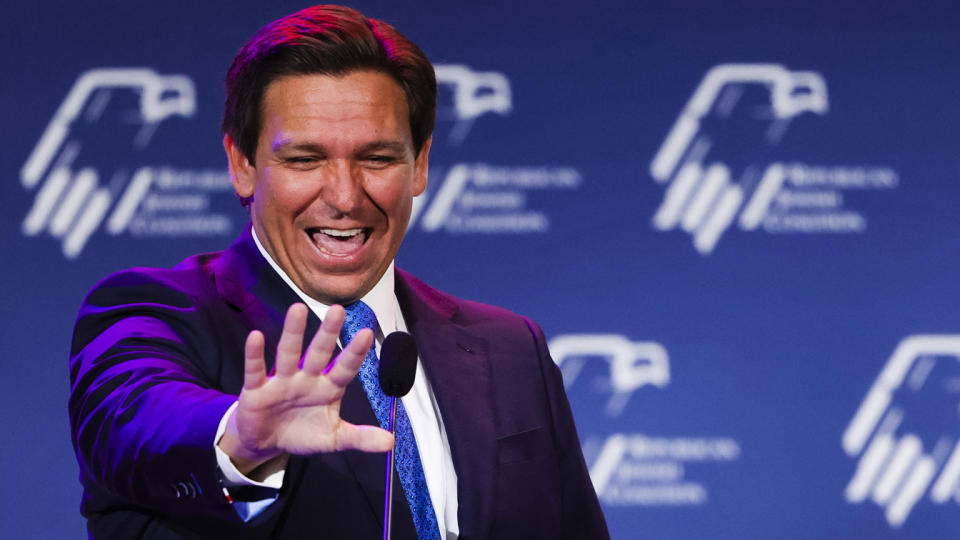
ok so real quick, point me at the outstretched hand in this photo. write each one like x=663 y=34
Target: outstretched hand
x=297 y=409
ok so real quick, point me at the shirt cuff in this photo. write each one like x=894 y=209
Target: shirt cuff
x=264 y=493
x=231 y=476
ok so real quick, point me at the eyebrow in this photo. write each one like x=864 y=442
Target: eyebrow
x=394 y=146
x=288 y=145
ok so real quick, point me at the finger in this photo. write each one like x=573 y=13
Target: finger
x=320 y=350
x=363 y=438
x=345 y=365
x=254 y=368
x=291 y=340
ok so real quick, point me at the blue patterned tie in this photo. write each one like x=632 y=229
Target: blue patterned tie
x=406 y=456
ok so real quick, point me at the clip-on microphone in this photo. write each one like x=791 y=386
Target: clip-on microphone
x=398 y=367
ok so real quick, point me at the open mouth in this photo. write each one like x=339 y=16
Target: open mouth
x=339 y=242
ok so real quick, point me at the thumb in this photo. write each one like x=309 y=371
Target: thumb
x=363 y=438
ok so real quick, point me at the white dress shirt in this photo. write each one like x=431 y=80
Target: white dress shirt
x=420 y=404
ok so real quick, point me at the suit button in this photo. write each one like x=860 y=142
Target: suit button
x=186 y=490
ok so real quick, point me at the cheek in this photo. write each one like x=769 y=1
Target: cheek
x=394 y=195
x=397 y=205
x=286 y=195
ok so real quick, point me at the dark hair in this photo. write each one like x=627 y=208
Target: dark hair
x=326 y=40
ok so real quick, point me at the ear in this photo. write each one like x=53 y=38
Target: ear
x=242 y=173
x=421 y=167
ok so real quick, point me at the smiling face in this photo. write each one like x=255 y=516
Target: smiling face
x=334 y=180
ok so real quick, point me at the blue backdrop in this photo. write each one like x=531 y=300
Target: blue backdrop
x=736 y=223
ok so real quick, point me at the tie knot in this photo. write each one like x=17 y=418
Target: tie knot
x=358 y=317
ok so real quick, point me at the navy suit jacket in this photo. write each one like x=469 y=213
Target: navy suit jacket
x=157 y=359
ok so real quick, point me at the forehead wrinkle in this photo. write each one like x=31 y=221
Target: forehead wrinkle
x=305 y=104
x=298 y=109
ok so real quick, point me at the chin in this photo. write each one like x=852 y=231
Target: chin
x=335 y=290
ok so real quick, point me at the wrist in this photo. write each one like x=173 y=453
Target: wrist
x=245 y=459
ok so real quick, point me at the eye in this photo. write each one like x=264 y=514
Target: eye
x=301 y=161
x=381 y=158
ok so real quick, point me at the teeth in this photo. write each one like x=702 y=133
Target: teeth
x=341 y=233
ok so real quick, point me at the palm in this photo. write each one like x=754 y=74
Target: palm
x=297 y=410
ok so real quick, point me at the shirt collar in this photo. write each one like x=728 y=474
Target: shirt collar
x=382 y=299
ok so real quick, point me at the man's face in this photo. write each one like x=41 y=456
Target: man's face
x=334 y=180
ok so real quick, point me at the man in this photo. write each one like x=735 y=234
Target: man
x=199 y=410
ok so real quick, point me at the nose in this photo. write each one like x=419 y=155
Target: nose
x=343 y=188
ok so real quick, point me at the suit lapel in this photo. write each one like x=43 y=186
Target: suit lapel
x=455 y=361
x=457 y=365
x=247 y=281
